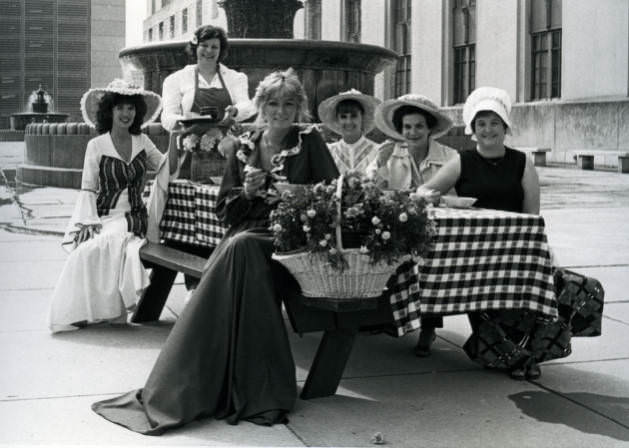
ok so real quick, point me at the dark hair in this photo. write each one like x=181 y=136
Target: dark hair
x=104 y=114
x=485 y=113
x=206 y=32
x=407 y=109
x=349 y=106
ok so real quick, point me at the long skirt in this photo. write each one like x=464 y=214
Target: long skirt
x=101 y=279
x=228 y=355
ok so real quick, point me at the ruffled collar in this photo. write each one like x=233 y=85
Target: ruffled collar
x=249 y=149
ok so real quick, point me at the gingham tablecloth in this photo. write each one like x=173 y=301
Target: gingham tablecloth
x=190 y=214
x=482 y=260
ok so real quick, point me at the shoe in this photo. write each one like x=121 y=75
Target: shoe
x=533 y=371
x=519 y=374
x=426 y=338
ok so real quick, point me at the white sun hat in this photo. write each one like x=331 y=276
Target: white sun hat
x=385 y=112
x=327 y=109
x=91 y=98
x=487 y=99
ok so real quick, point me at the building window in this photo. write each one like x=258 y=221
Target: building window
x=150 y=34
x=184 y=21
x=352 y=21
x=464 y=46
x=166 y=2
x=161 y=31
x=199 y=13
x=545 y=49
x=172 y=27
x=152 y=6
x=312 y=18
x=402 y=45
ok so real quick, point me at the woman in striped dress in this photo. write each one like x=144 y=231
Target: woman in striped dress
x=103 y=274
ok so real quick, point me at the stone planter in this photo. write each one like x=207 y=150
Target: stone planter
x=623 y=163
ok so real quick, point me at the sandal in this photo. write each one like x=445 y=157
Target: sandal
x=519 y=373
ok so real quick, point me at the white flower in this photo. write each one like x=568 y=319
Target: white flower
x=378 y=231
x=364 y=250
x=306 y=228
x=386 y=235
x=403 y=217
x=375 y=220
x=332 y=251
x=190 y=142
x=323 y=243
x=328 y=236
x=277 y=227
x=311 y=212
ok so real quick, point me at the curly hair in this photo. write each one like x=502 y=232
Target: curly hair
x=206 y=32
x=106 y=104
x=407 y=109
x=282 y=84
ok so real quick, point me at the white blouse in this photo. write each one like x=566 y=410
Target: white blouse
x=178 y=93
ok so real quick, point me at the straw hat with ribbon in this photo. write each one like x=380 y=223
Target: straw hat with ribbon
x=487 y=99
x=385 y=112
x=91 y=98
x=327 y=109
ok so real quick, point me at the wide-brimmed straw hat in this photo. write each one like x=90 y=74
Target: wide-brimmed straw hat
x=487 y=99
x=90 y=99
x=384 y=115
x=327 y=109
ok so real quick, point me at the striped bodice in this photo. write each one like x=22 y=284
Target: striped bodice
x=114 y=177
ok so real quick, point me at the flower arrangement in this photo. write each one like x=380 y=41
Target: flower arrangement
x=207 y=142
x=387 y=226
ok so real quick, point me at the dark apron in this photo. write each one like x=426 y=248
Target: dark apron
x=213 y=97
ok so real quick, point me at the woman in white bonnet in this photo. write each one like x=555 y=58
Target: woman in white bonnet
x=500 y=177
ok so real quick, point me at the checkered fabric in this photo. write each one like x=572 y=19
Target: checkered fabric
x=190 y=214
x=482 y=260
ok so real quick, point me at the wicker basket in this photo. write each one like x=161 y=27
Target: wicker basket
x=317 y=277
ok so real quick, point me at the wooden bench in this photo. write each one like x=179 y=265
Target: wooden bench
x=340 y=323
x=165 y=262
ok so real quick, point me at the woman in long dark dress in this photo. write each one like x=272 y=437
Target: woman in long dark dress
x=228 y=355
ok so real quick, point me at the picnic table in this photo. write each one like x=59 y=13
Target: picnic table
x=481 y=260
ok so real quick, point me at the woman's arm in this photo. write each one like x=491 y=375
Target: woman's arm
x=238 y=86
x=171 y=98
x=445 y=179
x=530 y=185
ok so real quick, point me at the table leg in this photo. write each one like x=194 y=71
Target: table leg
x=154 y=297
x=329 y=363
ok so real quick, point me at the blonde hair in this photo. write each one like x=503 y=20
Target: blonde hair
x=282 y=84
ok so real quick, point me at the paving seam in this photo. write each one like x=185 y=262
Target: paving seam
x=297 y=436
x=599 y=413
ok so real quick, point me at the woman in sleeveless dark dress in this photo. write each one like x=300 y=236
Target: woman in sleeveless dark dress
x=499 y=177
x=228 y=355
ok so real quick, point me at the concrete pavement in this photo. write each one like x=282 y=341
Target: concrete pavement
x=48 y=383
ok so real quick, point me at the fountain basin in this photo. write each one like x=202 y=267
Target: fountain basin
x=325 y=67
x=19 y=120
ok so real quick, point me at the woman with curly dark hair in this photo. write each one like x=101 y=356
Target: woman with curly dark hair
x=103 y=274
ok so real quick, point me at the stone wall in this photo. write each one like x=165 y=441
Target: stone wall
x=54 y=152
x=600 y=128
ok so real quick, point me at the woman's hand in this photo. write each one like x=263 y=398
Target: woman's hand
x=384 y=154
x=86 y=233
x=430 y=195
x=230 y=112
x=255 y=179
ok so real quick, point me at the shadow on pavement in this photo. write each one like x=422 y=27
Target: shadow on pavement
x=550 y=407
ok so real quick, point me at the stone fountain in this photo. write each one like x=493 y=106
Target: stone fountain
x=38 y=104
x=258 y=47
